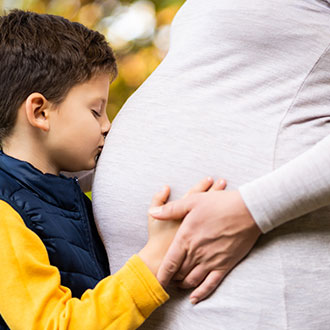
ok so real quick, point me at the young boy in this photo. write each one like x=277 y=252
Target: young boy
x=54 y=274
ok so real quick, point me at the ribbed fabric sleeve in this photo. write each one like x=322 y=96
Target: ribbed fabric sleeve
x=294 y=189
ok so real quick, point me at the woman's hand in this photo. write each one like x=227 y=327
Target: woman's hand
x=161 y=233
x=216 y=233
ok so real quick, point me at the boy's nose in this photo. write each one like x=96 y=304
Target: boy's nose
x=106 y=125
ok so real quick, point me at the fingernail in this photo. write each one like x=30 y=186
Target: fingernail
x=221 y=181
x=209 y=178
x=156 y=210
x=193 y=300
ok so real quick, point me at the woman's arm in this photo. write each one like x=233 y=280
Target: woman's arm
x=296 y=188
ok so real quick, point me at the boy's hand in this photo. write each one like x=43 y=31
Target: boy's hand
x=161 y=233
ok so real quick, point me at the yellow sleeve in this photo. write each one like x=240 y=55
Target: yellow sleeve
x=32 y=296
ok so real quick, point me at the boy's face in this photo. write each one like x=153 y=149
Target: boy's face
x=78 y=126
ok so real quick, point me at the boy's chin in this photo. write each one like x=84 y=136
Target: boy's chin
x=85 y=167
x=96 y=159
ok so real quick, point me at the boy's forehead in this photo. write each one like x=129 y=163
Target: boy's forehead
x=97 y=87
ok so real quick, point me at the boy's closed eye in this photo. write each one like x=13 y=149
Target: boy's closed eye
x=96 y=113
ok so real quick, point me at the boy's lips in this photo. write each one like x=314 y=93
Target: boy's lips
x=99 y=149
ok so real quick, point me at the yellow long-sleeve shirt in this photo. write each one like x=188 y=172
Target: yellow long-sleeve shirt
x=32 y=296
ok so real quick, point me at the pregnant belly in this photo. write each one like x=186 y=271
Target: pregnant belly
x=154 y=145
x=144 y=153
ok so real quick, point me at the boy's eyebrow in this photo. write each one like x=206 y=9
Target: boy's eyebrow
x=102 y=100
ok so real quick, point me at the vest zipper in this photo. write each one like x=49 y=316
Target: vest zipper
x=89 y=232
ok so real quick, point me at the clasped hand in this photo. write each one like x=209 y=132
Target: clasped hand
x=217 y=232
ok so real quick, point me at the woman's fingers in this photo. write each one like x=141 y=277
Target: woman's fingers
x=205 y=185
x=210 y=283
x=220 y=184
x=201 y=186
x=160 y=197
x=191 y=277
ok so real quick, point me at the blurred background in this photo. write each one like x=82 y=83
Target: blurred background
x=138 y=31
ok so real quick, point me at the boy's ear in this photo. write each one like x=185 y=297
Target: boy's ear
x=37 y=110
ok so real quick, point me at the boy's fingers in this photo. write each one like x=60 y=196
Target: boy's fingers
x=220 y=184
x=172 y=210
x=160 y=197
x=201 y=186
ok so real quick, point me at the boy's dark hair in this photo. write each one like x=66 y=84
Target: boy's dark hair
x=46 y=54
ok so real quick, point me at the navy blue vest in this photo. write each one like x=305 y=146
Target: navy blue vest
x=55 y=208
